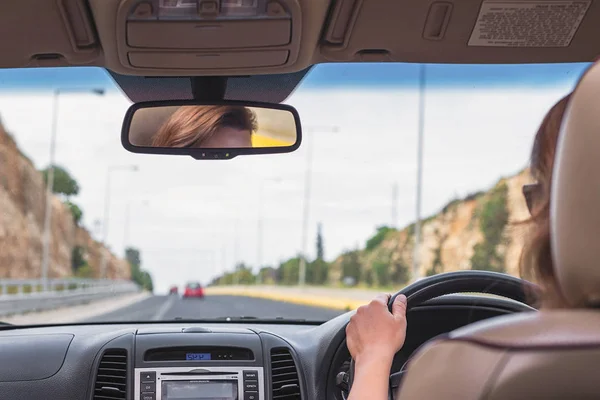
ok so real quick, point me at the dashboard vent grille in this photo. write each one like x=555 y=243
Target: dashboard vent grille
x=111 y=379
x=286 y=383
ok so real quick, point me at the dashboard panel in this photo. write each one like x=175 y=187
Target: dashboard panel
x=191 y=359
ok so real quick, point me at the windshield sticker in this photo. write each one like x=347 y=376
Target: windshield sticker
x=528 y=23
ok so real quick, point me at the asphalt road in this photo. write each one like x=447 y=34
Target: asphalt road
x=215 y=306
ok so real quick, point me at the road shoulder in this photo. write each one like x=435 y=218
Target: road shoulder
x=78 y=313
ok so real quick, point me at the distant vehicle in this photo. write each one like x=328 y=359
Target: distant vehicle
x=173 y=290
x=193 y=289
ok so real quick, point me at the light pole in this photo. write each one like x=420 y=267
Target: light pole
x=307 y=192
x=50 y=178
x=259 y=234
x=236 y=250
x=127 y=222
x=111 y=168
x=416 y=254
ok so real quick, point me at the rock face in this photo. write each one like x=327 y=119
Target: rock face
x=485 y=223
x=22 y=207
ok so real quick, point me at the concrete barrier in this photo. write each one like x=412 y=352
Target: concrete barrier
x=42 y=301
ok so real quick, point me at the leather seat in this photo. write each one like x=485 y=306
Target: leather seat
x=550 y=354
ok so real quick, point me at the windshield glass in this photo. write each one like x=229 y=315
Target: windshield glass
x=126 y=232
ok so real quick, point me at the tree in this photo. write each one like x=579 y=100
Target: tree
x=318 y=270
x=381 y=272
x=133 y=256
x=379 y=236
x=289 y=271
x=351 y=266
x=78 y=259
x=244 y=274
x=320 y=248
x=63 y=182
x=138 y=275
x=75 y=211
x=493 y=218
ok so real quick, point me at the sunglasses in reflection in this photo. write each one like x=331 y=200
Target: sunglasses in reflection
x=531 y=193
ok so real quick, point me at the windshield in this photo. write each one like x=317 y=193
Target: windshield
x=307 y=235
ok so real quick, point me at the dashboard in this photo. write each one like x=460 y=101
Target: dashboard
x=207 y=360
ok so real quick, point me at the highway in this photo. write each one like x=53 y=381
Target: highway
x=157 y=308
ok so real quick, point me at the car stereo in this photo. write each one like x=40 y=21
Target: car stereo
x=199 y=383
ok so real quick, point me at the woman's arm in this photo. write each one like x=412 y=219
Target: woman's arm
x=374 y=336
x=371 y=378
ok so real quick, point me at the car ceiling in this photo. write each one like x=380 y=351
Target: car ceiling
x=151 y=57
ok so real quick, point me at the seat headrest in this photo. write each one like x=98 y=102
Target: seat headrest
x=575 y=195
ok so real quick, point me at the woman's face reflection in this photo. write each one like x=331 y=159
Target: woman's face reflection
x=228 y=138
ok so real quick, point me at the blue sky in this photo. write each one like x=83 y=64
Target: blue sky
x=334 y=75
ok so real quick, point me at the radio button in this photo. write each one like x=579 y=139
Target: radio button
x=147 y=396
x=148 y=387
x=148 y=376
x=251 y=375
x=251 y=396
x=251 y=386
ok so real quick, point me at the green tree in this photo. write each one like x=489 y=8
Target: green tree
x=493 y=217
x=382 y=272
x=244 y=274
x=379 y=236
x=351 y=265
x=320 y=246
x=400 y=272
x=79 y=264
x=63 y=182
x=138 y=275
x=289 y=271
x=75 y=211
x=268 y=275
x=318 y=270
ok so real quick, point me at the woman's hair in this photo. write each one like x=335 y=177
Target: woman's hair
x=536 y=260
x=191 y=125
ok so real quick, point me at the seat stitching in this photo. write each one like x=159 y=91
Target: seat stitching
x=501 y=364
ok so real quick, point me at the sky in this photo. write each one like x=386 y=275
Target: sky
x=192 y=220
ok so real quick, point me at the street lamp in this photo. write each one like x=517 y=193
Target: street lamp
x=236 y=249
x=416 y=254
x=50 y=177
x=259 y=235
x=111 y=169
x=307 y=191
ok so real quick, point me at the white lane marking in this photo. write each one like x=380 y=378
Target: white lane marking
x=162 y=311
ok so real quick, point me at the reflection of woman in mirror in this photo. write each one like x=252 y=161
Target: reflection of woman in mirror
x=207 y=127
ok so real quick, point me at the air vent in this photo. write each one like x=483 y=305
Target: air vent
x=286 y=384
x=111 y=379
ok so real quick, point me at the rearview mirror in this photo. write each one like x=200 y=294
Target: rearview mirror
x=211 y=130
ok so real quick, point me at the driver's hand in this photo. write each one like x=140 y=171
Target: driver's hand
x=375 y=333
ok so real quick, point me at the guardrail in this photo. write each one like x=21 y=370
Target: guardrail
x=18 y=296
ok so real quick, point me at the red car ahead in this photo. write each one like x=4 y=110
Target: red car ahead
x=193 y=289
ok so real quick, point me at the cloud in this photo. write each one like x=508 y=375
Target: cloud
x=187 y=228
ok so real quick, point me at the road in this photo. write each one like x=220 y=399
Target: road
x=214 y=306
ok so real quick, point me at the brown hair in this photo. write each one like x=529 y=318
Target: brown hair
x=536 y=260
x=189 y=126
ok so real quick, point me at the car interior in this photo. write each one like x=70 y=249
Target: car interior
x=493 y=347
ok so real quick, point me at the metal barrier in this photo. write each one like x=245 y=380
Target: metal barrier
x=18 y=296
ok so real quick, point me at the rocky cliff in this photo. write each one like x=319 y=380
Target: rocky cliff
x=22 y=207
x=481 y=231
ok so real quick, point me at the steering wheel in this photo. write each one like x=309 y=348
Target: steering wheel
x=457 y=282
